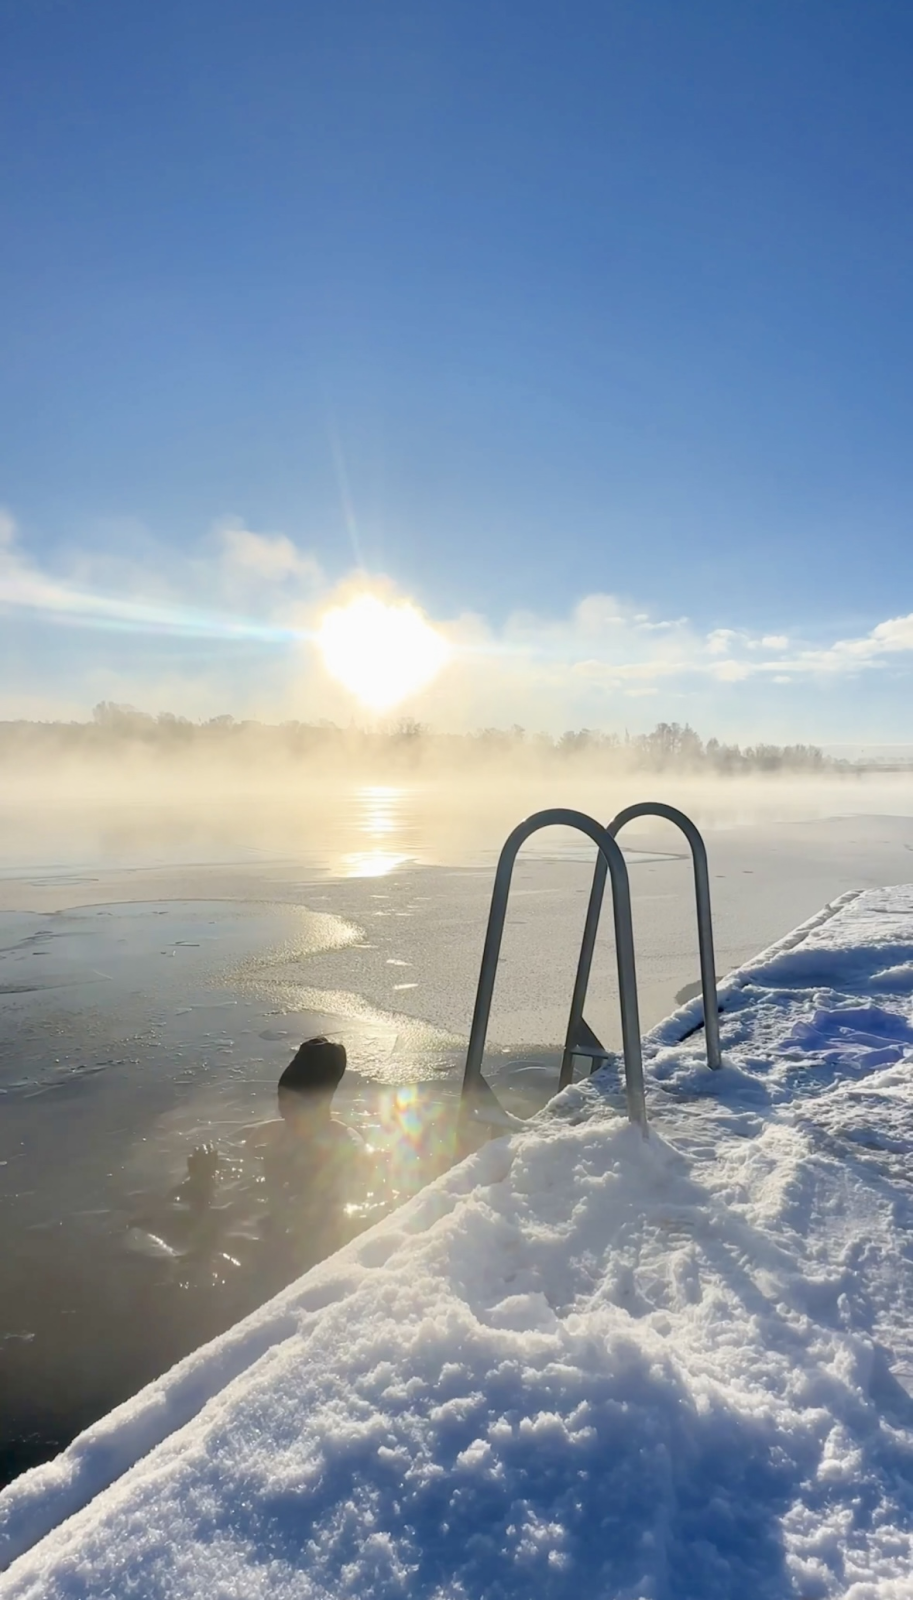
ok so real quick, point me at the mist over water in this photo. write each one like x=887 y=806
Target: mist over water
x=142 y=811
x=171 y=929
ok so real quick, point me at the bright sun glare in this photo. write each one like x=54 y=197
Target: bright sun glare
x=380 y=652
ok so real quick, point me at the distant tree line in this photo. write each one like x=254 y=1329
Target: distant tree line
x=672 y=745
x=118 y=729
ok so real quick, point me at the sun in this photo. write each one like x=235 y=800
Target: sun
x=381 y=651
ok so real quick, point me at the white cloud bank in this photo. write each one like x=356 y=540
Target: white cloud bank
x=240 y=586
x=608 y=640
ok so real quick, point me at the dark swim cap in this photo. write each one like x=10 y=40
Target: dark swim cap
x=317 y=1068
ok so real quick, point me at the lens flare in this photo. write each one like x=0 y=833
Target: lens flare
x=416 y=1132
x=380 y=652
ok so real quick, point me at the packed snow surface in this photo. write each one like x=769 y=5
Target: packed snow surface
x=581 y=1364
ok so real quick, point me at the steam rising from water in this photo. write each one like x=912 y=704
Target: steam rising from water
x=351 y=819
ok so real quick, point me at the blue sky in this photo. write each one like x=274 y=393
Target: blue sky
x=515 y=305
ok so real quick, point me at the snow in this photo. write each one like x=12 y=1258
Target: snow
x=580 y=1364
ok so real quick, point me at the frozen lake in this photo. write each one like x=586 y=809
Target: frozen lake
x=158 y=966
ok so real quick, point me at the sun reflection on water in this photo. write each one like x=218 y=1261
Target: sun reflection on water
x=372 y=863
x=379 y=819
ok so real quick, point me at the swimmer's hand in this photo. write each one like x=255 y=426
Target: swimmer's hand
x=203 y=1164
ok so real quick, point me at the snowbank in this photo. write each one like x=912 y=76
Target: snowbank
x=581 y=1364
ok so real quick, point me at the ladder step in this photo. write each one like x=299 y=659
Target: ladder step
x=586 y=1043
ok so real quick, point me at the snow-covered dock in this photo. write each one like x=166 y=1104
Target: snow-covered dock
x=581 y=1364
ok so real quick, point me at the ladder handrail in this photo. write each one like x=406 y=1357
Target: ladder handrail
x=611 y=861
x=651 y=808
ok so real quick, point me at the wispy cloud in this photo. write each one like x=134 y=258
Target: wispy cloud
x=609 y=639
x=244 y=560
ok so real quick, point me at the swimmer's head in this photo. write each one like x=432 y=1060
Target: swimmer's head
x=311 y=1078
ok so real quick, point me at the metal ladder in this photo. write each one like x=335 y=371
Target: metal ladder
x=580 y=1039
x=478 y=1100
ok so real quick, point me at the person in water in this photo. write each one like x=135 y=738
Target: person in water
x=313 y=1165
x=303 y=1186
